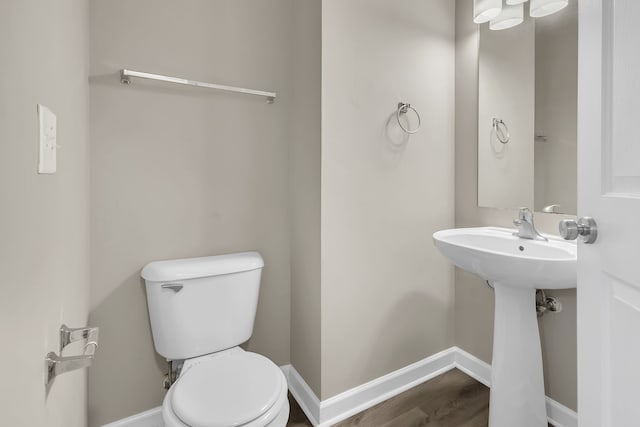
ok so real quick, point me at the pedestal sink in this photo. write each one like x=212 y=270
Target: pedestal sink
x=515 y=268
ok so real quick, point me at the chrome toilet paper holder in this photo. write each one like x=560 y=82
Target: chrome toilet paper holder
x=57 y=364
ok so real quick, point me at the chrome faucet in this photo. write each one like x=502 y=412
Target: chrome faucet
x=524 y=224
x=551 y=209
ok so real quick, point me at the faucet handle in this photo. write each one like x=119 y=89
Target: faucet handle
x=525 y=214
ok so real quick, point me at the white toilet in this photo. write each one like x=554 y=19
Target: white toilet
x=201 y=309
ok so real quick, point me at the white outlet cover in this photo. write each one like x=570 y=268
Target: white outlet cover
x=48 y=140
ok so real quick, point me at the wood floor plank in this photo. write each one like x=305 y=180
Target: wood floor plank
x=452 y=399
x=413 y=418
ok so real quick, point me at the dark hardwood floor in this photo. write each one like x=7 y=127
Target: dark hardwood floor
x=451 y=400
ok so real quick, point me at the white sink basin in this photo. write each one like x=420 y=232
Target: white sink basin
x=514 y=267
x=496 y=255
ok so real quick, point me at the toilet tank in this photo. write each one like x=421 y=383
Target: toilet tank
x=202 y=305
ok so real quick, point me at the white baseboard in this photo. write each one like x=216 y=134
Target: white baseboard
x=330 y=411
x=559 y=415
x=350 y=402
x=340 y=407
x=472 y=366
x=150 y=418
x=306 y=398
x=337 y=408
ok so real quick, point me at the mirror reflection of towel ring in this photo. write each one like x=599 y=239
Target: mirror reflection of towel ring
x=403 y=108
x=502 y=131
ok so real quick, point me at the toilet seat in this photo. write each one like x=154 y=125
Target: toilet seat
x=232 y=388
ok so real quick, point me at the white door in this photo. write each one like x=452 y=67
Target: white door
x=609 y=191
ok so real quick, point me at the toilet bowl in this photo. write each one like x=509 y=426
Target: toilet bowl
x=230 y=388
x=201 y=310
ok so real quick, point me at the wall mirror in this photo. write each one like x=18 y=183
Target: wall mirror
x=527 y=113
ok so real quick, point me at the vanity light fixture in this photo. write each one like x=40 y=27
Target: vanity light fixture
x=540 y=8
x=486 y=10
x=511 y=16
x=512 y=13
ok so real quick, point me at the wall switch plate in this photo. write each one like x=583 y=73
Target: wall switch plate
x=48 y=140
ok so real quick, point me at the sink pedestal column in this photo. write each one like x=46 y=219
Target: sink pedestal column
x=517 y=383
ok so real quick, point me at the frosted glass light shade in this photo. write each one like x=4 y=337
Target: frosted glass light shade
x=540 y=8
x=486 y=10
x=512 y=2
x=510 y=17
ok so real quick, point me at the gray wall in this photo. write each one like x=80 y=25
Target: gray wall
x=44 y=233
x=387 y=294
x=506 y=66
x=473 y=299
x=334 y=180
x=178 y=172
x=557 y=110
x=304 y=156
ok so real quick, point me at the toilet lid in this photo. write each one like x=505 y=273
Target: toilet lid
x=228 y=390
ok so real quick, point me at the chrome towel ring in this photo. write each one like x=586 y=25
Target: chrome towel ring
x=403 y=108
x=502 y=131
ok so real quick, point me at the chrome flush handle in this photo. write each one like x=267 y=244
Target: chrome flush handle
x=585 y=227
x=175 y=287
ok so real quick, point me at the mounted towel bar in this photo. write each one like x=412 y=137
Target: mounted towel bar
x=126 y=75
x=57 y=365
